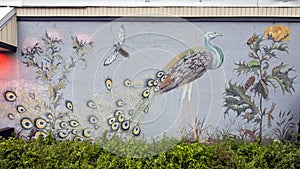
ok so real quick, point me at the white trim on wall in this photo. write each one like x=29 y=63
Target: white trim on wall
x=158 y=12
x=151 y=3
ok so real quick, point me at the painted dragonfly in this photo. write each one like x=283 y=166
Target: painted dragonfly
x=117 y=48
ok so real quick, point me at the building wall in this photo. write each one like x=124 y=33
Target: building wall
x=58 y=81
x=162 y=11
x=8 y=32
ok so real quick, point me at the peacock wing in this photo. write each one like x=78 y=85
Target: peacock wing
x=192 y=66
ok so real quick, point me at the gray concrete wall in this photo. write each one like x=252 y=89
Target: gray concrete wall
x=66 y=79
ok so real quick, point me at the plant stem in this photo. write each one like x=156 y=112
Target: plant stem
x=261 y=98
x=261 y=118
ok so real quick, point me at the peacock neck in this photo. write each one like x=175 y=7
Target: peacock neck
x=217 y=54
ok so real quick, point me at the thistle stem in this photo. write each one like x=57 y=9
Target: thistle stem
x=261 y=118
x=261 y=97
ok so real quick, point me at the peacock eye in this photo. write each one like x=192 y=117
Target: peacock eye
x=120 y=103
x=91 y=104
x=88 y=132
x=150 y=83
x=118 y=112
x=146 y=110
x=136 y=131
x=163 y=78
x=93 y=119
x=125 y=125
x=10 y=96
x=109 y=136
x=121 y=118
x=78 y=139
x=69 y=105
x=40 y=134
x=32 y=95
x=115 y=126
x=159 y=74
x=63 y=124
x=49 y=115
x=130 y=112
x=127 y=82
x=40 y=123
x=21 y=109
x=74 y=123
x=63 y=134
x=26 y=123
x=108 y=84
x=111 y=120
x=156 y=89
x=146 y=93
x=11 y=116
x=75 y=132
x=37 y=108
x=118 y=135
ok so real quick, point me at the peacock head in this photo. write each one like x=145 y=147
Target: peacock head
x=217 y=53
x=211 y=35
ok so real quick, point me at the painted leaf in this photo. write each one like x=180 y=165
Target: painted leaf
x=261 y=88
x=282 y=47
x=51 y=92
x=238 y=101
x=269 y=114
x=60 y=85
x=249 y=116
x=253 y=63
x=282 y=78
x=245 y=68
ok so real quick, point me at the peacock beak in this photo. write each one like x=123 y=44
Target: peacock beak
x=218 y=35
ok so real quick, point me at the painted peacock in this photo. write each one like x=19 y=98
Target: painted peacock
x=181 y=71
x=36 y=114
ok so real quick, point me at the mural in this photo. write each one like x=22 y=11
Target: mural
x=249 y=98
x=37 y=112
x=179 y=72
x=174 y=78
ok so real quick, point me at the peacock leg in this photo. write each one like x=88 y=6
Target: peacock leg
x=184 y=90
x=189 y=90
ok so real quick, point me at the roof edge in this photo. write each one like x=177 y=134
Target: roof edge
x=5 y=47
x=7 y=14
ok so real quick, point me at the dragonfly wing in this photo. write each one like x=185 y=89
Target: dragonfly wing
x=121 y=35
x=111 y=58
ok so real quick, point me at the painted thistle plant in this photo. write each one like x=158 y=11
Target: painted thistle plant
x=251 y=98
x=52 y=112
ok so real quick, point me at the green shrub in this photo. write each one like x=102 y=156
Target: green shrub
x=48 y=153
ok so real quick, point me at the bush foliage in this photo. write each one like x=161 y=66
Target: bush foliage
x=49 y=153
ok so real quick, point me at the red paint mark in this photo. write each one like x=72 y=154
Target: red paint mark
x=6 y=65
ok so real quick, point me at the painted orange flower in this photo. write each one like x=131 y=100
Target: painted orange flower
x=278 y=33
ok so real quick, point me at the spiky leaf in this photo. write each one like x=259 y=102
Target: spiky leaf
x=246 y=67
x=282 y=78
x=282 y=47
x=238 y=101
x=262 y=89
